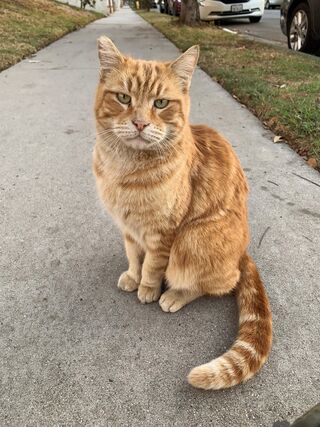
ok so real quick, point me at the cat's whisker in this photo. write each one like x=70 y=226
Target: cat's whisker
x=105 y=131
x=110 y=141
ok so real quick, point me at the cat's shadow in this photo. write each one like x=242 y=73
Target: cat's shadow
x=210 y=323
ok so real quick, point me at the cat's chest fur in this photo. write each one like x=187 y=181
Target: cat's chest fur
x=141 y=208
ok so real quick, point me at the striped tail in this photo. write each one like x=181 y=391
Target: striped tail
x=253 y=343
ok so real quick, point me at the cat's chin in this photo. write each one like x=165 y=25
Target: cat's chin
x=138 y=143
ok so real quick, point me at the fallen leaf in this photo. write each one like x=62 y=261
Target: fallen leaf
x=278 y=139
x=312 y=162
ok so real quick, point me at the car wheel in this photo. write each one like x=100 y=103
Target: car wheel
x=299 y=30
x=254 y=19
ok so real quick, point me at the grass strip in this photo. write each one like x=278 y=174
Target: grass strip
x=28 y=25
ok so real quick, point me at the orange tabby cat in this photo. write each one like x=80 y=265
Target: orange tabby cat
x=179 y=196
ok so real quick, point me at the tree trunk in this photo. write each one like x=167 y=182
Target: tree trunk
x=145 y=5
x=190 y=13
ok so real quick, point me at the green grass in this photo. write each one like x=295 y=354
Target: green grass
x=28 y=25
x=280 y=87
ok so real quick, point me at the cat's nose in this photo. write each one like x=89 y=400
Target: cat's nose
x=140 y=124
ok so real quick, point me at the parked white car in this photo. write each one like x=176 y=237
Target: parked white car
x=272 y=4
x=212 y=10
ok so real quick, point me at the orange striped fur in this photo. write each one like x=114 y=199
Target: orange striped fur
x=179 y=195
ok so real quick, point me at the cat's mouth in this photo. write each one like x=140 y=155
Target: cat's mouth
x=138 y=142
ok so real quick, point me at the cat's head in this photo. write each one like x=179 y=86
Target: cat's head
x=142 y=104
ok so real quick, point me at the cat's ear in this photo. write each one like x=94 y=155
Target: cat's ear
x=109 y=56
x=185 y=65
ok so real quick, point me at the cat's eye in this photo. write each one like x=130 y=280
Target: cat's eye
x=161 y=103
x=123 y=98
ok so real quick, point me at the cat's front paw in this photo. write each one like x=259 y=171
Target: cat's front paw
x=127 y=283
x=148 y=294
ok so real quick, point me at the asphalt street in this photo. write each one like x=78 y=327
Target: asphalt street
x=267 y=29
x=75 y=351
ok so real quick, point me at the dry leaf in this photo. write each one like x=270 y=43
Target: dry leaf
x=312 y=162
x=278 y=139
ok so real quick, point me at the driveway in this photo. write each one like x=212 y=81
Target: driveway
x=75 y=351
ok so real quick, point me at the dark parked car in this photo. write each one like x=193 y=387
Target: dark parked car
x=163 y=6
x=174 y=7
x=300 y=22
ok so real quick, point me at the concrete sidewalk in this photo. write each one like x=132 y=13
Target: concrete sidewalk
x=75 y=351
